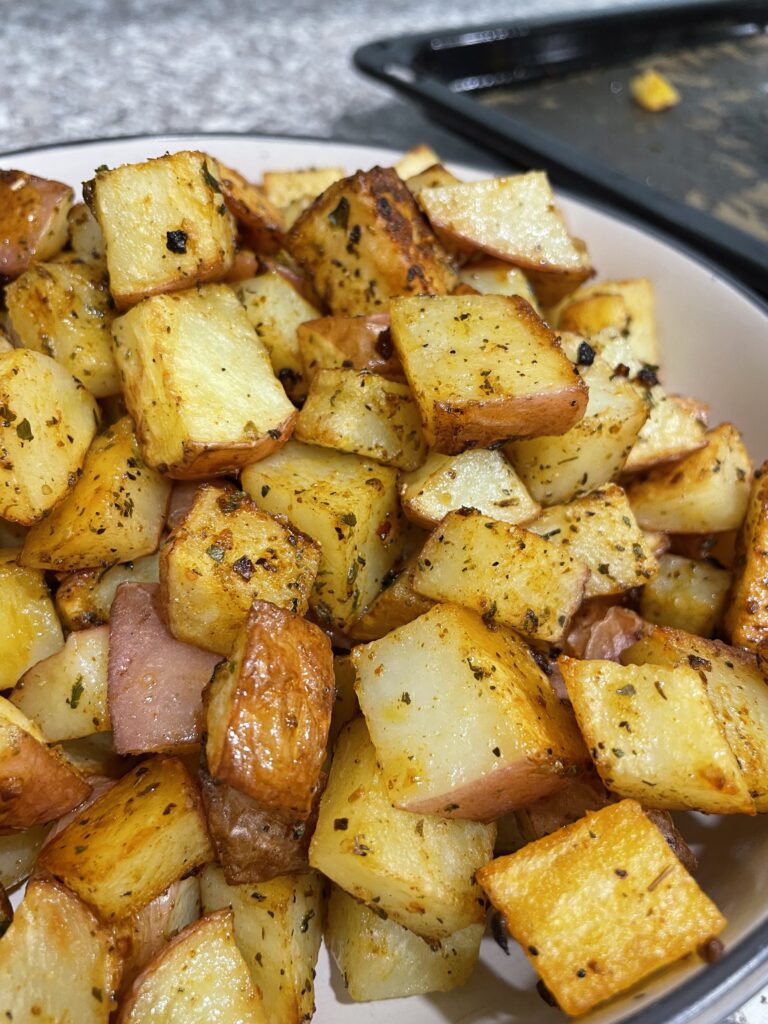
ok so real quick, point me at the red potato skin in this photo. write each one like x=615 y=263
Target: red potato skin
x=36 y=786
x=27 y=207
x=155 y=682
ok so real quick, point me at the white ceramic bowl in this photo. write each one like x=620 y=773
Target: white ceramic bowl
x=714 y=346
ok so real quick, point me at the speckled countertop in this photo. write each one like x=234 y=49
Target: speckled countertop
x=79 y=69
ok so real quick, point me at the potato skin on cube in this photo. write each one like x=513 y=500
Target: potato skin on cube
x=483 y=369
x=33 y=219
x=31 y=628
x=114 y=513
x=165 y=225
x=260 y=223
x=199 y=384
x=357 y=342
x=349 y=506
x=226 y=553
x=654 y=736
x=746 y=615
x=364 y=240
x=600 y=904
x=47 y=421
x=269 y=711
x=535 y=587
x=464 y=722
x=147 y=831
x=418 y=870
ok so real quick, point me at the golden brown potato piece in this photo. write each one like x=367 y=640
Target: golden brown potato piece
x=36 y=783
x=85 y=237
x=626 y=305
x=720 y=547
x=259 y=221
x=217 y=405
x=415 y=160
x=497 y=277
x=483 y=369
x=746 y=616
x=199 y=977
x=364 y=240
x=33 y=220
x=165 y=225
x=57 y=962
x=47 y=421
x=143 y=834
x=115 y=511
x=396 y=605
x=31 y=629
x=63 y=309
x=269 y=710
x=464 y=722
x=430 y=177
x=293 y=191
x=686 y=595
x=357 y=342
x=632 y=906
x=84 y=598
x=226 y=553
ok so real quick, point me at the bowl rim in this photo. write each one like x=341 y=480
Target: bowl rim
x=723 y=987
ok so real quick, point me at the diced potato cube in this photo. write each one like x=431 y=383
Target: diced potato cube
x=114 y=513
x=297 y=189
x=634 y=316
x=484 y=368
x=147 y=831
x=33 y=220
x=673 y=429
x=47 y=421
x=706 y=491
x=478 y=479
x=746 y=616
x=379 y=959
x=199 y=384
x=275 y=310
x=349 y=506
x=226 y=553
x=718 y=547
x=415 y=161
x=533 y=587
x=199 y=977
x=365 y=414
x=464 y=722
x=346 y=706
x=396 y=605
x=496 y=277
x=593 y=452
x=31 y=628
x=259 y=221
x=653 y=91
x=431 y=177
x=64 y=310
x=654 y=736
x=600 y=904
x=601 y=530
x=269 y=710
x=365 y=240
x=278 y=929
x=736 y=688
x=57 y=962
x=65 y=694
x=165 y=225
x=514 y=219
x=357 y=342
x=686 y=595
x=84 y=598
x=419 y=870
x=85 y=235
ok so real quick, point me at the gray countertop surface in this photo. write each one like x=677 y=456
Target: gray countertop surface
x=80 y=69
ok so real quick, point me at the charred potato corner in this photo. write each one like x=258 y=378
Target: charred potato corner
x=360 y=581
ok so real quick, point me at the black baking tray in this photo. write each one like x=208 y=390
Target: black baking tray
x=553 y=92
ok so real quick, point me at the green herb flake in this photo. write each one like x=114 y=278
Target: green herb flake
x=617 y=752
x=209 y=179
x=216 y=552
x=626 y=691
x=339 y=217
x=405 y=697
x=349 y=519
x=77 y=692
x=24 y=430
x=660 y=689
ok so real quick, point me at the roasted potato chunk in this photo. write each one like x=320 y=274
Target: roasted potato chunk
x=259 y=221
x=356 y=342
x=114 y=513
x=419 y=870
x=474 y=479
x=497 y=277
x=746 y=616
x=85 y=237
x=63 y=309
x=708 y=491
x=365 y=414
x=31 y=628
x=278 y=928
x=57 y=962
x=364 y=240
x=415 y=160
x=455 y=353
x=216 y=406
x=349 y=506
x=293 y=191
x=199 y=977
x=627 y=305
x=33 y=220
x=18 y=853
x=631 y=906
x=686 y=595
x=47 y=421
x=269 y=710
x=164 y=223
x=144 y=833
x=226 y=553
x=464 y=722
x=654 y=736
x=380 y=959
x=65 y=694
x=396 y=605
x=535 y=586
x=84 y=598
x=673 y=429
